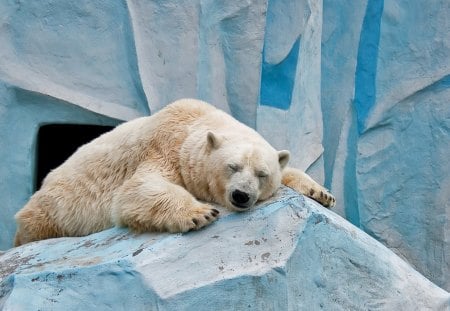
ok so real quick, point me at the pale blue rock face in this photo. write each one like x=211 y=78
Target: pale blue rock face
x=21 y=114
x=357 y=90
x=385 y=95
x=404 y=150
x=289 y=100
x=288 y=254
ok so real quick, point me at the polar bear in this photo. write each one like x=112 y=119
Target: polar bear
x=160 y=173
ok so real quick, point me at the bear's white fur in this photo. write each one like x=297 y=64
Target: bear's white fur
x=158 y=173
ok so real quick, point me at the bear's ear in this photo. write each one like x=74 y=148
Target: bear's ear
x=283 y=158
x=212 y=141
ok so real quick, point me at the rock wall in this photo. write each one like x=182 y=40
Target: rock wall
x=385 y=95
x=358 y=91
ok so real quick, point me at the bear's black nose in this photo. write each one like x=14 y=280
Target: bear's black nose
x=240 y=198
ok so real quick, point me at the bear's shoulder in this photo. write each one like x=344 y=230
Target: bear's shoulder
x=188 y=106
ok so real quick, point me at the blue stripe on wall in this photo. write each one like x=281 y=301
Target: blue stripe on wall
x=351 y=188
x=366 y=67
x=277 y=80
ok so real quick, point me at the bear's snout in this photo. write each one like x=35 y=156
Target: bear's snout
x=240 y=199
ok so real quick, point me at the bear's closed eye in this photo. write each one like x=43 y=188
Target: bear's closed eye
x=234 y=167
x=262 y=174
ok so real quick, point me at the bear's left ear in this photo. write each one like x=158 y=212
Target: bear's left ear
x=283 y=158
x=212 y=141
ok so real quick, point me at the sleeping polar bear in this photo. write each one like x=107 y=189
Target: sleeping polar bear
x=159 y=173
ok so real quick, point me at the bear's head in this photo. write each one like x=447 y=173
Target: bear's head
x=242 y=172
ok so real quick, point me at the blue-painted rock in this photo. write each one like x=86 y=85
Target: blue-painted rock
x=385 y=94
x=288 y=254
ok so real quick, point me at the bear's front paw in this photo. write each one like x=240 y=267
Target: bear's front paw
x=194 y=218
x=322 y=196
x=302 y=183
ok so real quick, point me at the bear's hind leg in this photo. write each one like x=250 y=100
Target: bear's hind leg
x=149 y=202
x=34 y=221
x=302 y=183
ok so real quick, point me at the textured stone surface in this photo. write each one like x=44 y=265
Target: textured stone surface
x=289 y=254
x=290 y=82
x=404 y=151
x=385 y=95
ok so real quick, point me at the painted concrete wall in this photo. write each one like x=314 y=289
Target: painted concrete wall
x=357 y=90
x=385 y=101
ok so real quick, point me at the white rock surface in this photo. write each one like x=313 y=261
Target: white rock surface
x=288 y=254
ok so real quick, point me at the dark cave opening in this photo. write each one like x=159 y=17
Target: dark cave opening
x=57 y=142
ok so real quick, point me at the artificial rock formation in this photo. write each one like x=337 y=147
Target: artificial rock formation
x=288 y=254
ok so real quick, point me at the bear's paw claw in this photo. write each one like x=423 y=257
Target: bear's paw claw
x=324 y=197
x=198 y=218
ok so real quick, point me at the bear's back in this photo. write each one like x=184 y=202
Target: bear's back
x=115 y=155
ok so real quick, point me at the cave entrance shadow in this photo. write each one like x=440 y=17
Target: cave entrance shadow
x=57 y=142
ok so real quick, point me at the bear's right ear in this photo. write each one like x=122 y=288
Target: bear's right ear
x=283 y=158
x=212 y=141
